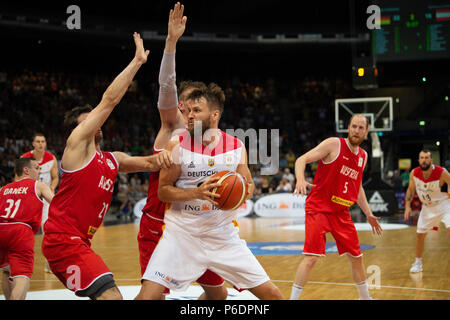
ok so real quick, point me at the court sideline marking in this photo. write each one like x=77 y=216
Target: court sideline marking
x=290 y=281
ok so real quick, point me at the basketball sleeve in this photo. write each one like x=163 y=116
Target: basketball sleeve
x=167 y=82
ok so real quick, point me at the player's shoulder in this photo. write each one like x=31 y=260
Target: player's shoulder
x=174 y=141
x=48 y=156
x=231 y=141
x=27 y=154
x=331 y=143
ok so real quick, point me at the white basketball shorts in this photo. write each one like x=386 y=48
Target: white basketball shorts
x=181 y=258
x=431 y=216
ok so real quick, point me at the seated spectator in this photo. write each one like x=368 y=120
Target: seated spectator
x=289 y=176
x=126 y=210
x=284 y=186
x=264 y=185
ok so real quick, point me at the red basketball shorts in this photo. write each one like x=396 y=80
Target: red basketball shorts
x=150 y=231
x=17 y=249
x=72 y=260
x=340 y=225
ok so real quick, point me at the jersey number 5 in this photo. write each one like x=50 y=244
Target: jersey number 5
x=345 y=187
x=11 y=203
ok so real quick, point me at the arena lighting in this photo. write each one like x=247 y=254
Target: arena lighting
x=446 y=98
x=421 y=123
x=424 y=79
x=438 y=143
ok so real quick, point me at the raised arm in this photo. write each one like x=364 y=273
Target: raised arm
x=409 y=195
x=85 y=132
x=171 y=117
x=326 y=150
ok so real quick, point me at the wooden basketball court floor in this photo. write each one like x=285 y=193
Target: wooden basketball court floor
x=330 y=279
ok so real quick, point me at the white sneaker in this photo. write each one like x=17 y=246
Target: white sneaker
x=416 y=267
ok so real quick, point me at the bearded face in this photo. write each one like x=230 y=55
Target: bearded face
x=425 y=161
x=357 y=130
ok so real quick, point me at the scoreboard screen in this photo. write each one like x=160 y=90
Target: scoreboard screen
x=412 y=30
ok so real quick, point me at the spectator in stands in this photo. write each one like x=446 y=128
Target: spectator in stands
x=397 y=182
x=405 y=178
x=289 y=176
x=284 y=186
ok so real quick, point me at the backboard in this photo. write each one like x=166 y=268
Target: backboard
x=378 y=110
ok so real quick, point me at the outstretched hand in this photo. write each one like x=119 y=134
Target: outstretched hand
x=141 y=54
x=177 y=22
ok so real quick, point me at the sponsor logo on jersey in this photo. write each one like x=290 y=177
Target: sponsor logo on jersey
x=211 y=162
x=229 y=160
x=360 y=162
x=202 y=207
x=106 y=184
x=341 y=201
x=349 y=172
x=92 y=230
x=198 y=174
x=191 y=165
x=166 y=278
x=110 y=164
x=377 y=203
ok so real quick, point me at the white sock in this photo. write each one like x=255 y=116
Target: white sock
x=296 y=291
x=363 y=290
x=418 y=260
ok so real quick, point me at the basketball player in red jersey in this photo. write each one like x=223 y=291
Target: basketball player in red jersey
x=48 y=174
x=86 y=189
x=427 y=180
x=337 y=186
x=21 y=204
x=152 y=220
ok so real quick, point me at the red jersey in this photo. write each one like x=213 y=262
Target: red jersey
x=337 y=182
x=154 y=207
x=20 y=204
x=83 y=198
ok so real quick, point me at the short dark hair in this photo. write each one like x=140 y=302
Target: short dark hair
x=426 y=151
x=71 y=116
x=189 y=84
x=37 y=134
x=21 y=163
x=213 y=94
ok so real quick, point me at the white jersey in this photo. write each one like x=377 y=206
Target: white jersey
x=197 y=164
x=428 y=190
x=46 y=166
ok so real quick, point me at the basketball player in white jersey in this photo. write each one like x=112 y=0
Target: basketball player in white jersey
x=427 y=180
x=48 y=174
x=198 y=235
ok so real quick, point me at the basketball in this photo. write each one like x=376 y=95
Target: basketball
x=232 y=190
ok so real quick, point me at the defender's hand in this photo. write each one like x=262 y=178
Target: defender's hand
x=141 y=54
